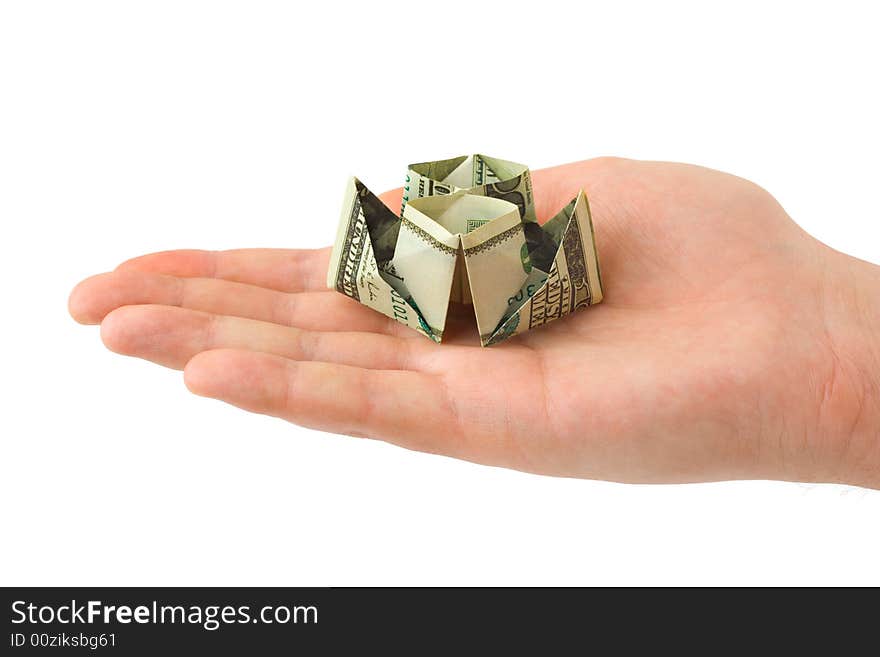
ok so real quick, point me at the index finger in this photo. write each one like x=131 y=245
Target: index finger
x=285 y=270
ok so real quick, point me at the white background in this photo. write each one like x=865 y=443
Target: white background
x=133 y=127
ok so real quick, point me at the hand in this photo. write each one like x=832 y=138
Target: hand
x=730 y=343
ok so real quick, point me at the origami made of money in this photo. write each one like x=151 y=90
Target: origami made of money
x=467 y=233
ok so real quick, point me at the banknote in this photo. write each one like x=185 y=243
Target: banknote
x=572 y=280
x=359 y=269
x=477 y=174
x=453 y=242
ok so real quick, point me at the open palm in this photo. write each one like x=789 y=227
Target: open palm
x=697 y=366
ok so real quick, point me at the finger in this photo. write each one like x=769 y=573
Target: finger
x=97 y=296
x=406 y=408
x=171 y=336
x=286 y=270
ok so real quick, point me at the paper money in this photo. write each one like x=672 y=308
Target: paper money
x=466 y=233
x=478 y=174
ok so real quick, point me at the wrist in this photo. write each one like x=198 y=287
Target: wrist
x=849 y=418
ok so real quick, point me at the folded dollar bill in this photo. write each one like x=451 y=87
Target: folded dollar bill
x=467 y=233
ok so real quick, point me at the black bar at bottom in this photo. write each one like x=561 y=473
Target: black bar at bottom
x=134 y=621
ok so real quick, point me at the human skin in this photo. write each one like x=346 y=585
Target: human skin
x=730 y=343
